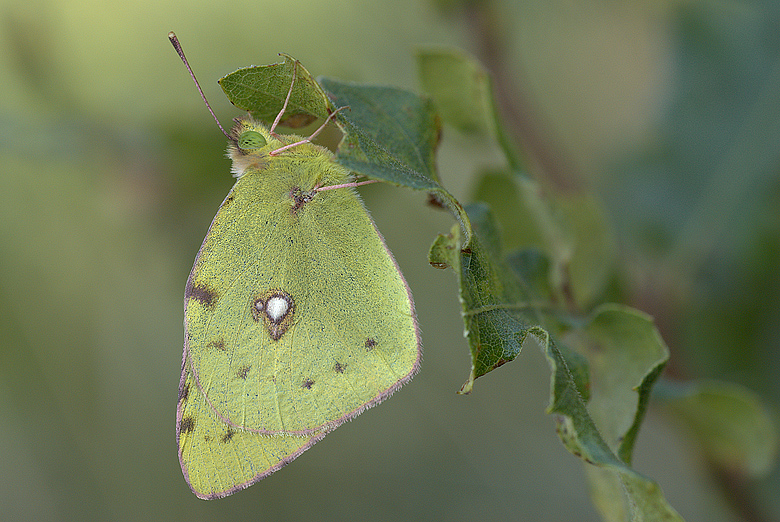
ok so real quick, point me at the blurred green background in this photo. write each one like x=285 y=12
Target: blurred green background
x=112 y=170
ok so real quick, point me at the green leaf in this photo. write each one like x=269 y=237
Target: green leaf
x=533 y=266
x=527 y=221
x=499 y=304
x=463 y=93
x=500 y=312
x=570 y=229
x=460 y=87
x=626 y=355
x=643 y=500
x=730 y=423
x=391 y=134
x=496 y=308
x=506 y=195
x=389 y=129
x=591 y=261
x=261 y=90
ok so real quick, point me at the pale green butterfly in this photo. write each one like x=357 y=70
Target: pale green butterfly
x=297 y=317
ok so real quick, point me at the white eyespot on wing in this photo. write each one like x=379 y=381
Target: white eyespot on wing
x=275 y=309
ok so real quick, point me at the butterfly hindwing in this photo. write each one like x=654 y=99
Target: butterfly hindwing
x=218 y=459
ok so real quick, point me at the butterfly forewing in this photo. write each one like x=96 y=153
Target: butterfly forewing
x=348 y=336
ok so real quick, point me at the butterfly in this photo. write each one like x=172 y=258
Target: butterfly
x=297 y=317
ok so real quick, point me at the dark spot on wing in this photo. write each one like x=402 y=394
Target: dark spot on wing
x=202 y=293
x=339 y=368
x=243 y=370
x=219 y=344
x=308 y=383
x=184 y=392
x=228 y=435
x=370 y=344
x=187 y=424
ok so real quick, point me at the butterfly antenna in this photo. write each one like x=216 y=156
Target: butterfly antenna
x=176 y=45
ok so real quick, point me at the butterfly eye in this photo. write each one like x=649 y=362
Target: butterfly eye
x=251 y=140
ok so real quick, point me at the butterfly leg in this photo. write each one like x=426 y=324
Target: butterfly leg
x=287 y=99
x=313 y=134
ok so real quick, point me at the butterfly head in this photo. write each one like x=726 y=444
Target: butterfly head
x=250 y=145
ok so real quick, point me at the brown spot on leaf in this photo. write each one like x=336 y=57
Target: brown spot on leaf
x=339 y=368
x=434 y=200
x=370 y=344
x=500 y=362
x=308 y=383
